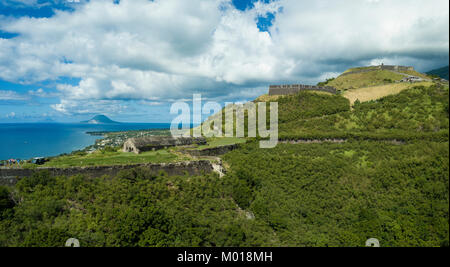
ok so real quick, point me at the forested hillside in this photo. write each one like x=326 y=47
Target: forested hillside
x=421 y=111
x=343 y=194
x=386 y=178
x=442 y=72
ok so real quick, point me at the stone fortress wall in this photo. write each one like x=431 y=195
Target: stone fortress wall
x=292 y=89
x=10 y=176
x=396 y=68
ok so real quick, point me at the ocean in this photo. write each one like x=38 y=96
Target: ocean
x=28 y=140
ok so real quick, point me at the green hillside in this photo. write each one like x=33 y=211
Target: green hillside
x=375 y=169
x=365 y=79
x=369 y=76
x=442 y=72
x=342 y=194
x=414 y=112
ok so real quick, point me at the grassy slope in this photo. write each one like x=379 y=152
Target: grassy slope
x=416 y=73
x=377 y=92
x=367 y=86
x=217 y=142
x=442 y=72
x=361 y=68
x=112 y=158
x=373 y=85
x=267 y=98
x=413 y=112
x=365 y=79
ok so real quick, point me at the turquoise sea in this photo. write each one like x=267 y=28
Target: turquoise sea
x=28 y=140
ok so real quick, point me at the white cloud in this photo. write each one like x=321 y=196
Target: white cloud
x=39 y=4
x=165 y=50
x=42 y=93
x=90 y=106
x=11 y=95
x=150 y=103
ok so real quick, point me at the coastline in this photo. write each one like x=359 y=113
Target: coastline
x=25 y=141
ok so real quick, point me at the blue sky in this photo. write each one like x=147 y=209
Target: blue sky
x=131 y=59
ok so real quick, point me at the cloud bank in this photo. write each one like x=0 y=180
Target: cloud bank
x=164 y=50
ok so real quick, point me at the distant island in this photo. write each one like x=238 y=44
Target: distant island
x=100 y=119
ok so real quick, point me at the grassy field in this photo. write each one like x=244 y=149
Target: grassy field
x=225 y=141
x=377 y=92
x=273 y=98
x=361 y=68
x=365 y=79
x=113 y=158
x=267 y=98
x=413 y=72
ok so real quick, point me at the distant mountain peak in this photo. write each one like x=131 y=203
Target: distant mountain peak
x=100 y=119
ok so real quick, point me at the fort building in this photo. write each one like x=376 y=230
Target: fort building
x=396 y=68
x=152 y=143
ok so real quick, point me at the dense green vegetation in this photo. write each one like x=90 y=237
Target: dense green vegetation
x=414 y=113
x=134 y=209
x=441 y=72
x=300 y=195
x=342 y=194
x=389 y=180
x=307 y=105
x=325 y=83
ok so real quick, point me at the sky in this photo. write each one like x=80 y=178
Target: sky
x=68 y=60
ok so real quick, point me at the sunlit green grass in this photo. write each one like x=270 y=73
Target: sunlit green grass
x=365 y=79
x=109 y=158
x=113 y=158
x=225 y=141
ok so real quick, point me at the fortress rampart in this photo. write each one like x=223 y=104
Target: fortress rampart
x=396 y=68
x=296 y=88
x=10 y=176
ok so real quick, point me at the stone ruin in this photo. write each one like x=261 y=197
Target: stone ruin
x=152 y=143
